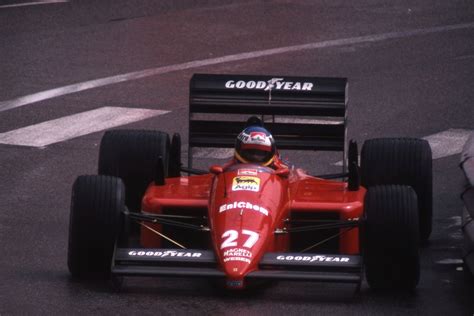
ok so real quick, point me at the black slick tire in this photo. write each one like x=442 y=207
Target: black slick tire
x=390 y=238
x=132 y=155
x=403 y=161
x=97 y=203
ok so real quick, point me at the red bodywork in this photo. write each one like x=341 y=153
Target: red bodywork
x=246 y=205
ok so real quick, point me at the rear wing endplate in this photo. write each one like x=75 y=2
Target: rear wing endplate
x=302 y=113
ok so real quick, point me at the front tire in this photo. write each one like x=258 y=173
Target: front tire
x=390 y=238
x=94 y=225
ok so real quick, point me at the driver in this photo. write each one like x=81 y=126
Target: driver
x=256 y=145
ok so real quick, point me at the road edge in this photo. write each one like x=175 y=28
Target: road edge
x=467 y=165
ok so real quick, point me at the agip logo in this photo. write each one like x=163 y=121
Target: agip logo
x=243 y=183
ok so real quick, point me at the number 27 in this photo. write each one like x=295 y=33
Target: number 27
x=232 y=235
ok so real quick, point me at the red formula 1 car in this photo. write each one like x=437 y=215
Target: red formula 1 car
x=147 y=215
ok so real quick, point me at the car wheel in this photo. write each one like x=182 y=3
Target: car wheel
x=390 y=237
x=97 y=203
x=403 y=161
x=132 y=155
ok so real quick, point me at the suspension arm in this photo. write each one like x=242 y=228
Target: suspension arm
x=325 y=226
x=158 y=219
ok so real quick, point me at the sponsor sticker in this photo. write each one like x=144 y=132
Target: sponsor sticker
x=318 y=258
x=237 y=254
x=255 y=138
x=272 y=84
x=243 y=205
x=163 y=254
x=237 y=259
x=258 y=137
x=245 y=183
x=247 y=172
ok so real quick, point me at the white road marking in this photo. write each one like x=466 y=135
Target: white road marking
x=213 y=153
x=75 y=125
x=444 y=144
x=306 y=121
x=73 y=88
x=226 y=153
x=456 y=235
x=464 y=57
x=448 y=143
x=24 y=4
x=450 y=261
x=456 y=221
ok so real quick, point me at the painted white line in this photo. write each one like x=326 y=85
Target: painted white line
x=213 y=153
x=464 y=57
x=456 y=235
x=448 y=143
x=306 y=121
x=24 y=4
x=73 y=88
x=226 y=153
x=444 y=144
x=450 y=261
x=75 y=125
x=456 y=221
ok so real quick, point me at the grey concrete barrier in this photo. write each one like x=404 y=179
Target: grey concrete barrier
x=467 y=164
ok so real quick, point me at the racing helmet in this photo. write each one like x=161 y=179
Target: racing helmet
x=255 y=144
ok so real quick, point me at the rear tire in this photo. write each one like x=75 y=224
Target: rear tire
x=96 y=210
x=390 y=238
x=132 y=155
x=403 y=161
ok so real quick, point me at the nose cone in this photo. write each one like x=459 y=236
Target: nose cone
x=236 y=262
x=242 y=209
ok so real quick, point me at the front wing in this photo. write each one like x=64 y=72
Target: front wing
x=203 y=263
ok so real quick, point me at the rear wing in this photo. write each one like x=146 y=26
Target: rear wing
x=302 y=113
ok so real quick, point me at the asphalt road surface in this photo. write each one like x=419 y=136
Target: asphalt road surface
x=410 y=65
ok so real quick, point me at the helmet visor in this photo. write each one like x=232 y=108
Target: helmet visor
x=256 y=155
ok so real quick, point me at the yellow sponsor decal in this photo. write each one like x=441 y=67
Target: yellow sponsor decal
x=243 y=183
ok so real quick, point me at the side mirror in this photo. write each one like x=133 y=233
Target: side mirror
x=354 y=176
x=160 y=172
x=216 y=169
x=283 y=172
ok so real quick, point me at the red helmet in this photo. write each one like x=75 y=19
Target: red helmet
x=255 y=145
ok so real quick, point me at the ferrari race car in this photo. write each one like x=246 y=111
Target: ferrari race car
x=146 y=214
